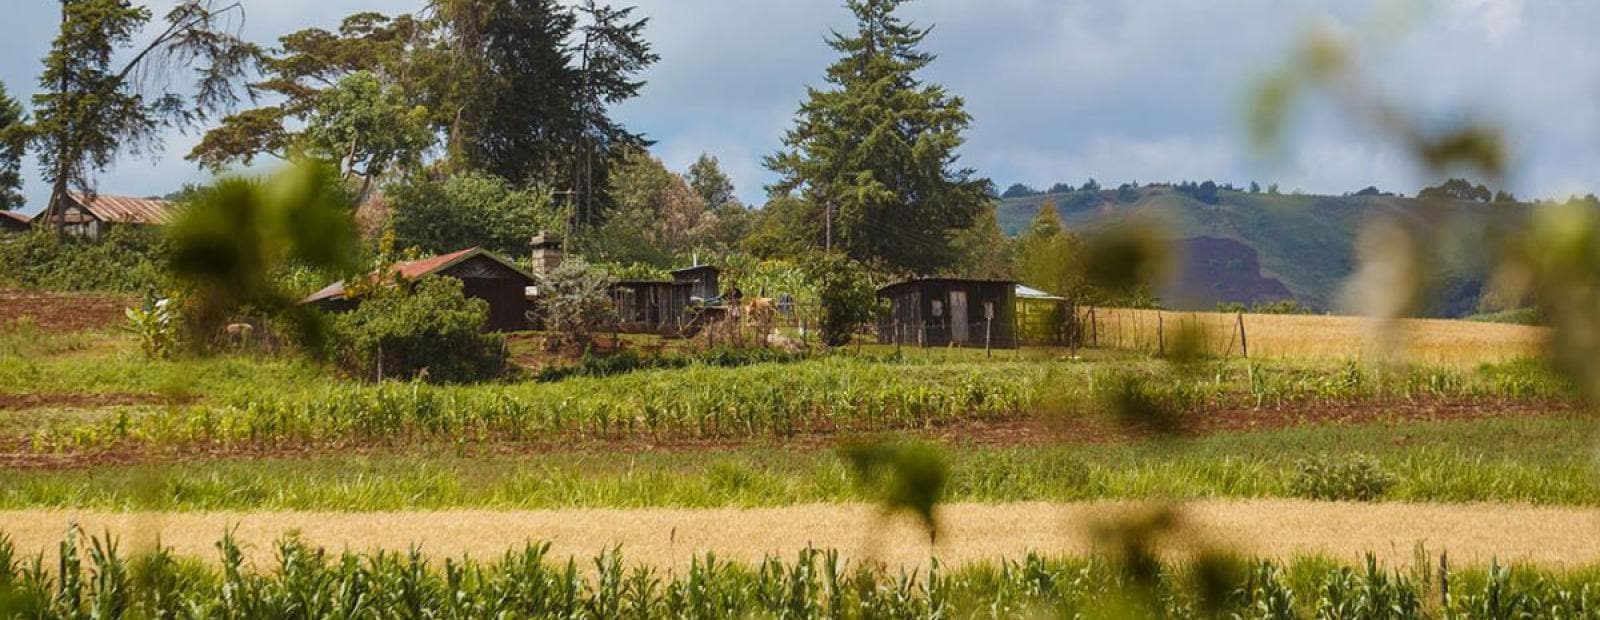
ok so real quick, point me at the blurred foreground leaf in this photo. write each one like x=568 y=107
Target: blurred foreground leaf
x=908 y=477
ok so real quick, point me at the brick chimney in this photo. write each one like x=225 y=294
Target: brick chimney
x=547 y=253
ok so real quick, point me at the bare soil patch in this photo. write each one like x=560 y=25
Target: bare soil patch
x=668 y=537
x=66 y=312
x=75 y=400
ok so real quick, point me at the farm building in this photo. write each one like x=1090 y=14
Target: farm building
x=1041 y=317
x=950 y=311
x=11 y=221
x=663 y=306
x=484 y=275
x=91 y=216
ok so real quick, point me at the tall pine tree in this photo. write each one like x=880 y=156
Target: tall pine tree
x=13 y=140
x=878 y=145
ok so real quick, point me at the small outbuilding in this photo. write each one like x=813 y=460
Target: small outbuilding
x=93 y=215
x=950 y=311
x=663 y=306
x=483 y=274
x=1042 y=318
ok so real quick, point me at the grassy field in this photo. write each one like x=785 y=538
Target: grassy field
x=1539 y=460
x=1466 y=443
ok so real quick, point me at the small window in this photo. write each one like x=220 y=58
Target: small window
x=938 y=308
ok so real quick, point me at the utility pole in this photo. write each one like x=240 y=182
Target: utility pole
x=828 y=227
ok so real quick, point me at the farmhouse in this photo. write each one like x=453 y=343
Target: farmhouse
x=92 y=215
x=484 y=275
x=950 y=311
x=11 y=222
x=663 y=306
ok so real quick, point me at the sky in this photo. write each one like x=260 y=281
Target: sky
x=1059 y=90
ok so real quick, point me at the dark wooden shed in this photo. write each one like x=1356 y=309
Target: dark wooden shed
x=946 y=311
x=701 y=280
x=483 y=274
x=11 y=221
x=663 y=306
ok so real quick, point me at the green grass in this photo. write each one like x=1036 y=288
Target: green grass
x=249 y=402
x=1543 y=460
x=94 y=579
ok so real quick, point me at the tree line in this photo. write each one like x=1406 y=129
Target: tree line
x=476 y=121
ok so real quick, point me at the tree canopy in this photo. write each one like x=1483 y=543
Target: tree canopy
x=91 y=108
x=877 y=145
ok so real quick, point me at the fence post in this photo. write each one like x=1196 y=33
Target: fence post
x=988 y=330
x=380 y=363
x=1244 y=343
x=897 y=337
x=1094 y=329
x=1161 y=336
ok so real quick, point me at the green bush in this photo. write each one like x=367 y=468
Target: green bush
x=125 y=260
x=425 y=329
x=847 y=297
x=1352 y=477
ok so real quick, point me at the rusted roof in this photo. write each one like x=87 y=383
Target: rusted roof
x=125 y=209
x=414 y=269
x=16 y=217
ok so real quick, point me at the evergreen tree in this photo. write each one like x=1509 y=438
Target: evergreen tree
x=13 y=141
x=712 y=184
x=91 y=108
x=878 y=146
x=732 y=221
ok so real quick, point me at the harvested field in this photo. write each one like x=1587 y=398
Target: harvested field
x=1307 y=336
x=1471 y=533
x=63 y=312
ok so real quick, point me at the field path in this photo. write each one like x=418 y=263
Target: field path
x=973 y=532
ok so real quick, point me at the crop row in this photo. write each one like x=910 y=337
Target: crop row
x=91 y=579
x=764 y=400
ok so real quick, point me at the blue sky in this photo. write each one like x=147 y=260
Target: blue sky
x=1060 y=90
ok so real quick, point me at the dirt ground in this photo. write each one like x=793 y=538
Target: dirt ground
x=668 y=538
x=65 y=312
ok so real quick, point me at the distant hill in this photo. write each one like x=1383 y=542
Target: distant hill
x=1251 y=247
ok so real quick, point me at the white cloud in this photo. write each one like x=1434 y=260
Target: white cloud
x=1497 y=19
x=1060 y=90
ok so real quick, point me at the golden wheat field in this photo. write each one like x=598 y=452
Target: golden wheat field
x=669 y=537
x=1307 y=336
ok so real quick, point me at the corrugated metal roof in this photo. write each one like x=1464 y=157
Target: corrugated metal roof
x=1028 y=292
x=125 y=209
x=16 y=217
x=414 y=269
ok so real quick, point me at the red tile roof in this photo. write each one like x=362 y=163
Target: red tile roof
x=125 y=209
x=414 y=269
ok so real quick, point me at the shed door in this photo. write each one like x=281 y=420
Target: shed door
x=958 y=316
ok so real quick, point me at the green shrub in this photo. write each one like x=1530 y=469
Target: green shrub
x=847 y=297
x=424 y=329
x=125 y=260
x=1352 y=477
x=575 y=303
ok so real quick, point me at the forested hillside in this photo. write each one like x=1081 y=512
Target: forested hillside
x=1306 y=243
